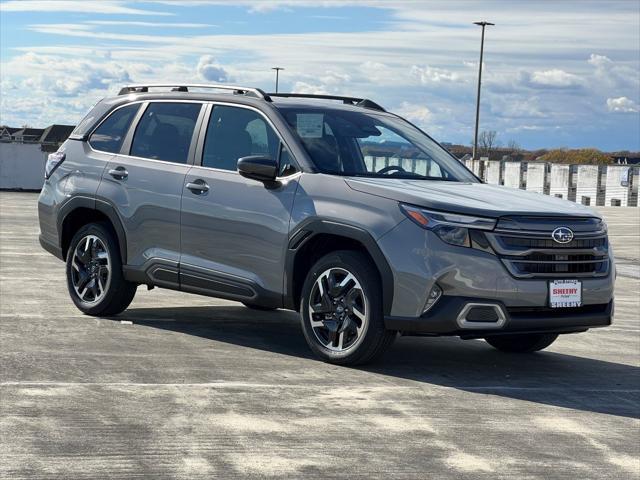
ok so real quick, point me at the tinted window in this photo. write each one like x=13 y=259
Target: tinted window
x=234 y=133
x=367 y=144
x=109 y=135
x=165 y=130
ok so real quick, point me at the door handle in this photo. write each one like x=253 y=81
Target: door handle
x=198 y=186
x=119 y=173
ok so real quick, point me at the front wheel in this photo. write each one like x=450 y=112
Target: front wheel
x=341 y=310
x=94 y=272
x=523 y=343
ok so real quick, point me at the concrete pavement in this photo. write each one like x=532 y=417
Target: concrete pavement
x=202 y=388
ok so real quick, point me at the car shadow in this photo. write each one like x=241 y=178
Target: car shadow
x=549 y=378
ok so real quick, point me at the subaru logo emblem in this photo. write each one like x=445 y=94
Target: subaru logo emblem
x=562 y=235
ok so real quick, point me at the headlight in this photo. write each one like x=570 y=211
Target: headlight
x=452 y=228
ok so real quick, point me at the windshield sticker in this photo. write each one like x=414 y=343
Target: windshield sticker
x=309 y=125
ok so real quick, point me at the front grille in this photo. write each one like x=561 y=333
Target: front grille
x=527 y=249
x=524 y=242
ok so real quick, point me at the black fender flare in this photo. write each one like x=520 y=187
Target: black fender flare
x=81 y=201
x=310 y=228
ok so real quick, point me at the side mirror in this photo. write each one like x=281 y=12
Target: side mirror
x=258 y=167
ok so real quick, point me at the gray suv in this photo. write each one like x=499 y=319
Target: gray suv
x=326 y=205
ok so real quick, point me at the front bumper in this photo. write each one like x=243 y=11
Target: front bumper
x=419 y=259
x=444 y=319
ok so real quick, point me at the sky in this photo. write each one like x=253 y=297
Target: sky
x=555 y=73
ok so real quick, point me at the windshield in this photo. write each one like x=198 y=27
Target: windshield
x=365 y=144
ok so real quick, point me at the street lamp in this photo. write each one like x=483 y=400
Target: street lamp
x=475 y=137
x=277 y=69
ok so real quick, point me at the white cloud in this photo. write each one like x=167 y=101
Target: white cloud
x=427 y=75
x=150 y=24
x=622 y=105
x=304 y=87
x=74 y=6
x=418 y=114
x=555 y=78
x=209 y=69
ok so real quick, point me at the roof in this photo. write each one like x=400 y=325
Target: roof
x=11 y=130
x=29 y=132
x=56 y=133
x=106 y=105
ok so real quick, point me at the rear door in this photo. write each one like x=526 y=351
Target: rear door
x=144 y=182
x=235 y=230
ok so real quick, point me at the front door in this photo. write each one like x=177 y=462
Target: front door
x=235 y=230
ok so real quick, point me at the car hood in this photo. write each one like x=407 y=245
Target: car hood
x=469 y=198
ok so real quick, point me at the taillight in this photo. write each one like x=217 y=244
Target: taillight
x=53 y=161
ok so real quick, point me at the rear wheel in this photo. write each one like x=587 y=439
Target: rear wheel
x=524 y=343
x=341 y=310
x=94 y=272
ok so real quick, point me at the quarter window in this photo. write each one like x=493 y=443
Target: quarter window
x=165 y=130
x=234 y=133
x=108 y=137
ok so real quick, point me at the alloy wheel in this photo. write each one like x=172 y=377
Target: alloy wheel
x=338 y=310
x=91 y=269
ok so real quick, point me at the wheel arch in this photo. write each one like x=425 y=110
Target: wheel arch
x=315 y=238
x=79 y=211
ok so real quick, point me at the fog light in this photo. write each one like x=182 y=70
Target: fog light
x=434 y=296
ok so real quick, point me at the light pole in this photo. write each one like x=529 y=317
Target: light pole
x=277 y=69
x=475 y=137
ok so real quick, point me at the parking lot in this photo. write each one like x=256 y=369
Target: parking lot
x=195 y=387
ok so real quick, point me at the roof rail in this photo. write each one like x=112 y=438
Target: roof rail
x=359 y=102
x=184 y=87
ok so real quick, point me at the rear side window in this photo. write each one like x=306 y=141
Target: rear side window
x=165 y=130
x=108 y=137
x=234 y=133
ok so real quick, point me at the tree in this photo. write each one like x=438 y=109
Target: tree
x=487 y=142
x=513 y=146
x=584 y=156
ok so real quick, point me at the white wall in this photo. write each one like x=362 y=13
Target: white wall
x=492 y=174
x=536 y=177
x=22 y=166
x=559 y=181
x=587 y=185
x=614 y=190
x=512 y=174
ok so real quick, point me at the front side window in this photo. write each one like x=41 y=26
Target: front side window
x=165 y=131
x=366 y=144
x=234 y=133
x=108 y=137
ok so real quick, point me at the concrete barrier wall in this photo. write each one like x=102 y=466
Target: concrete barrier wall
x=512 y=174
x=494 y=172
x=587 y=184
x=537 y=177
x=559 y=181
x=617 y=186
x=21 y=166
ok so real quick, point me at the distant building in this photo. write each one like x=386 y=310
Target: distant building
x=28 y=135
x=626 y=160
x=56 y=133
x=49 y=138
x=6 y=133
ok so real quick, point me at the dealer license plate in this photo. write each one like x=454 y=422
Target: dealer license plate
x=565 y=293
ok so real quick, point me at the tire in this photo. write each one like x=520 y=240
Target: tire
x=349 y=322
x=524 y=343
x=95 y=280
x=252 y=306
